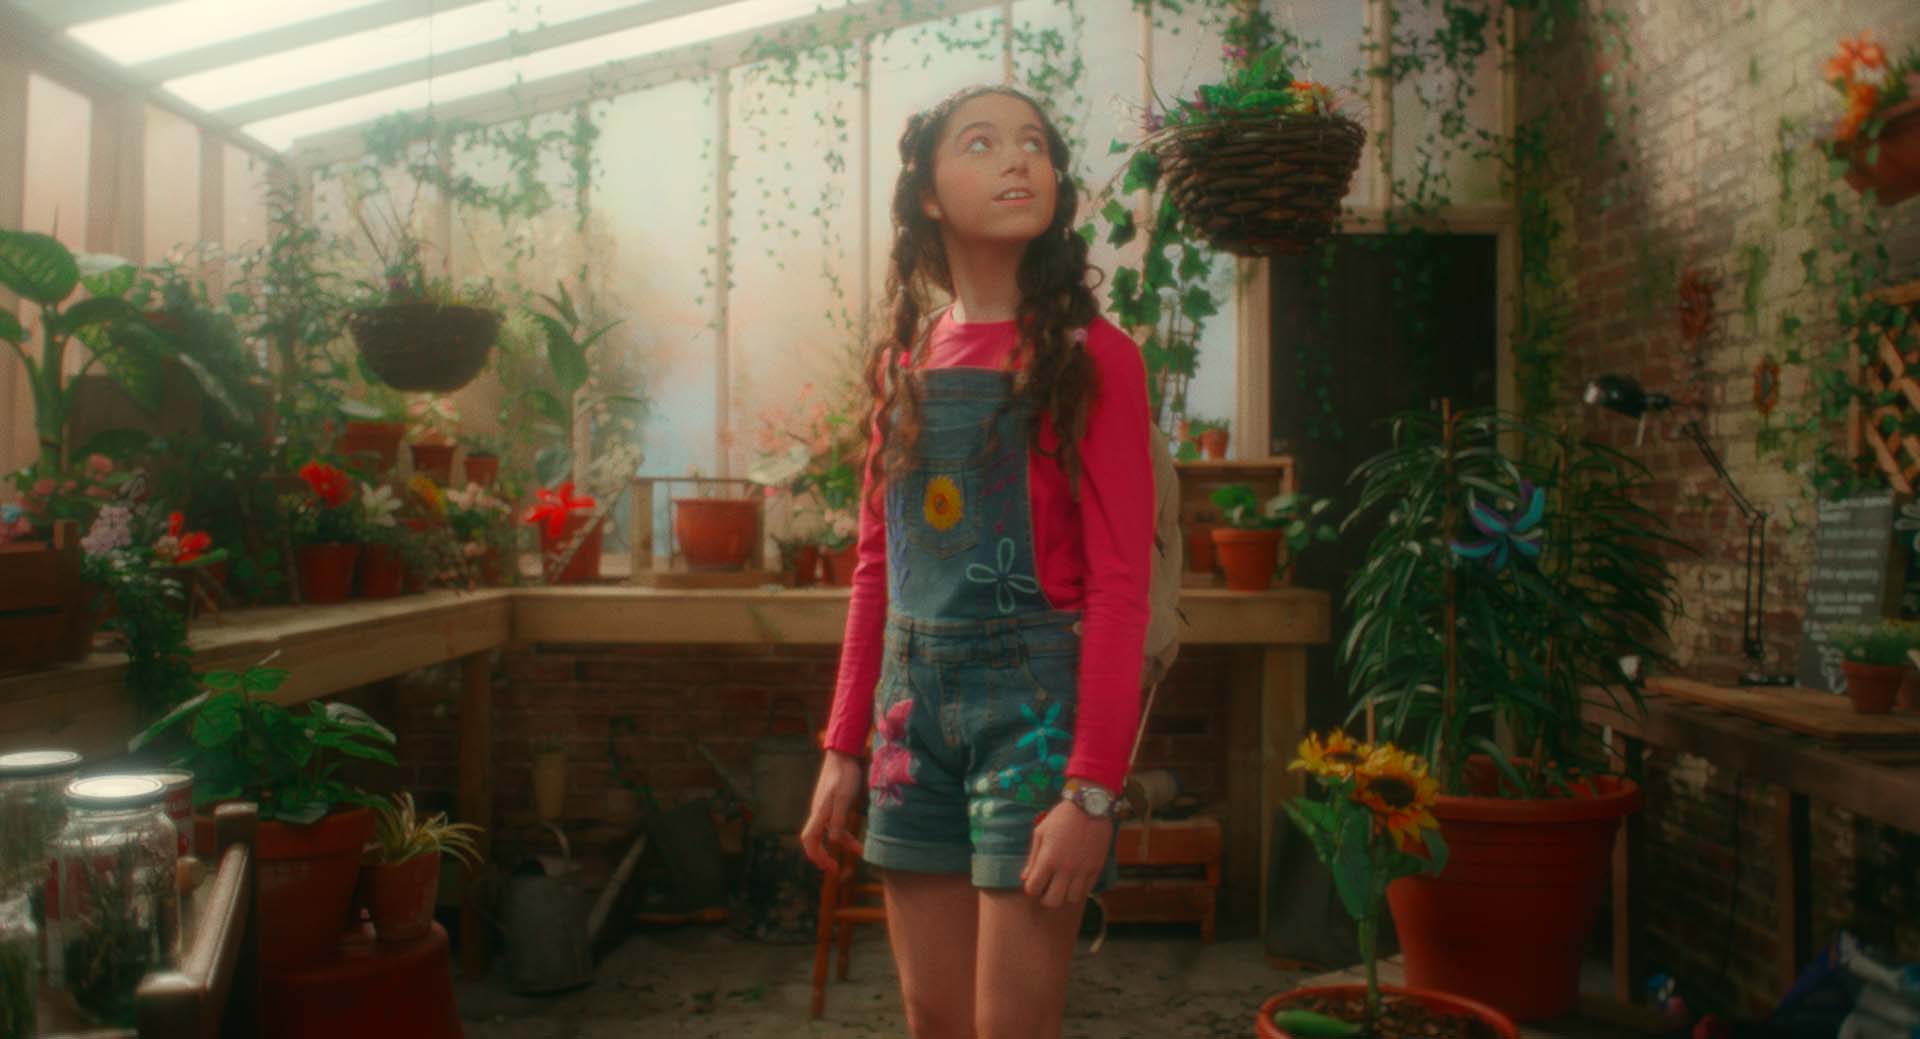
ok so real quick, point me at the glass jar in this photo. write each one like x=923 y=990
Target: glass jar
x=113 y=905
x=33 y=808
x=19 y=967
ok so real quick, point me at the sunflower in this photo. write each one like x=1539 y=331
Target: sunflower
x=1394 y=785
x=943 y=507
x=1337 y=757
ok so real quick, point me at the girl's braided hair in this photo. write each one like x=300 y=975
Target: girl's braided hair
x=1056 y=376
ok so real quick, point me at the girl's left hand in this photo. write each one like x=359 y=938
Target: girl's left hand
x=1069 y=850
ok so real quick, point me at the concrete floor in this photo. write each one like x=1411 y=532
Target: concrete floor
x=683 y=983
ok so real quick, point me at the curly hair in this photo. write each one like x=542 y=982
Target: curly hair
x=1055 y=377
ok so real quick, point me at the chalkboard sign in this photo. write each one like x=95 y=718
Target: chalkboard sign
x=1856 y=576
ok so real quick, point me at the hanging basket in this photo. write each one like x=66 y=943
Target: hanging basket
x=425 y=347
x=1257 y=184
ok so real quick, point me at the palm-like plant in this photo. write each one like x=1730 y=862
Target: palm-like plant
x=1504 y=587
x=400 y=833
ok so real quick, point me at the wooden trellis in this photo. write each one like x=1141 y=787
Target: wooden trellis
x=1892 y=379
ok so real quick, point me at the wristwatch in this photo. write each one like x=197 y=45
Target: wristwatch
x=1092 y=798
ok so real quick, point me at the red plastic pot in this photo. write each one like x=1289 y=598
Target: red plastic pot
x=373 y=445
x=382 y=573
x=1871 y=688
x=1213 y=445
x=1506 y=923
x=841 y=564
x=1200 y=548
x=585 y=564
x=401 y=896
x=483 y=469
x=1248 y=556
x=326 y=572
x=1439 y=1002
x=715 y=533
x=806 y=565
x=435 y=460
x=305 y=882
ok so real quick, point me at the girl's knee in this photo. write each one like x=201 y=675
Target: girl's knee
x=936 y=1019
x=1007 y=1020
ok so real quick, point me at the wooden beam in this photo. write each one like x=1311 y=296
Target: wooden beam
x=1007 y=74
x=130 y=180
x=1283 y=722
x=27 y=42
x=476 y=796
x=269 y=42
x=1793 y=886
x=64 y=14
x=722 y=276
x=213 y=205
x=1253 y=365
x=835 y=28
x=865 y=130
x=1380 y=109
x=1242 y=884
x=505 y=48
x=17 y=446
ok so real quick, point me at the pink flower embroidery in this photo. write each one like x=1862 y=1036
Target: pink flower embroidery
x=892 y=763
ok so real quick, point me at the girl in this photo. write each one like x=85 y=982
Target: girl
x=999 y=604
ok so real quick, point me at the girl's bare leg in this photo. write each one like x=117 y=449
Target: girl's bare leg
x=933 y=923
x=1026 y=951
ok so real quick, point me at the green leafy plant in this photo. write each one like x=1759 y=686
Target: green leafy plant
x=1296 y=516
x=243 y=746
x=1503 y=587
x=1374 y=826
x=401 y=832
x=569 y=351
x=1881 y=643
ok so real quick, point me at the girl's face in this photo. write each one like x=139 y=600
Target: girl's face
x=993 y=178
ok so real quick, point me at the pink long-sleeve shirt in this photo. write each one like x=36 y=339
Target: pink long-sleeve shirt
x=1093 y=554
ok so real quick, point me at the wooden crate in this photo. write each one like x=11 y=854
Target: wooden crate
x=1182 y=845
x=46 y=613
x=669 y=569
x=1198 y=481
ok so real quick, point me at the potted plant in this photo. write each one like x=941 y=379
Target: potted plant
x=570 y=534
x=1210 y=435
x=1513 y=571
x=549 y=776
x=482 y=460
x=415 y=333
x=145 y=578
x=1375 y=825
x=840 y=547
x=482 y=528
x=1877 y=137
x=1249 y=544
x=385 y=544
x=1259 y=162
x=435 y=422
x=327 y=527
x=374 y=425
x=1873 y=656
x=401 y=867
x=242 y=746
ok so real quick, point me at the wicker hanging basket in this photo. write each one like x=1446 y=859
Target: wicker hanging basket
x=425 y=347
x=1256 y=184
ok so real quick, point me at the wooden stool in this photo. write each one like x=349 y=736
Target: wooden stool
x=1177 y=846
x=367 y=990
x=845 y=900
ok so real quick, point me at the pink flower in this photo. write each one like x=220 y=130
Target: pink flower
x=43 y=487
x=99 y=465
x=892 y=763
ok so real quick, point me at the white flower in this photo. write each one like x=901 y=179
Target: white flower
x=781 y=469
x=378 y=505
x=110 y=531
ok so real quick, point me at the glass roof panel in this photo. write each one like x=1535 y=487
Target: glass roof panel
x=158 y=32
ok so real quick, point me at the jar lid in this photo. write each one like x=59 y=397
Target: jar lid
x=171 y=779
x=115 y=792
x=23 y=763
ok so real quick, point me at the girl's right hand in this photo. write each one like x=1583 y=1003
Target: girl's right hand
x=833 y=794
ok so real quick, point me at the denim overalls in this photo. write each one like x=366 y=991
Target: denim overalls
x=974 y=709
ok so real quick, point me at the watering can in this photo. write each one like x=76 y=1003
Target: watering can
x=784 y=767
x=543 y=922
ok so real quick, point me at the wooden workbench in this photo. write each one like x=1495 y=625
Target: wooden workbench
x=1880 y=785
x=331 y=649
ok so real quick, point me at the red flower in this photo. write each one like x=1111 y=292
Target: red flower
x=329 y=484
x=181 y=546
x=552 y=508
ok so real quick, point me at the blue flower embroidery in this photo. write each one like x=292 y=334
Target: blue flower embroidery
x=1506 y=535
x=1005 y=582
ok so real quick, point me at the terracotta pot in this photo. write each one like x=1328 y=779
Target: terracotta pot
x=550 y=784
x=1248 y=556
x=715 y=533
x=482 y=469
x=382 y=573
x=1894 y=175
x=585 y=564
x=1200 y=548
x=372 y=445
x=400 y=896
x=1506 y=923
x=1910 y=691
x=305 y=882
x=806 y=565
x=435 y=460
x=326 y=572
x=493 y=573
x=1439 y=1002
x=1871 y=688
x=1213 y=444
x=841 y=564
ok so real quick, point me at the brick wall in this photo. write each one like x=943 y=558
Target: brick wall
x=1703 y=189
x=654 y=702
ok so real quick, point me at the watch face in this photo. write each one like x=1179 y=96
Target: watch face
x=1096 y=802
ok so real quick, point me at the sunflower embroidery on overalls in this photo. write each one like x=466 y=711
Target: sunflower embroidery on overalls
x=1034 y=782
x=1002 y=577
x=892 y=766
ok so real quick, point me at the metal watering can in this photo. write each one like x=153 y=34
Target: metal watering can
x=543 y=923
x=784 y=768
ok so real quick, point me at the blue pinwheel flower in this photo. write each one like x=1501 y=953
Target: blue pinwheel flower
x=1505 y=535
